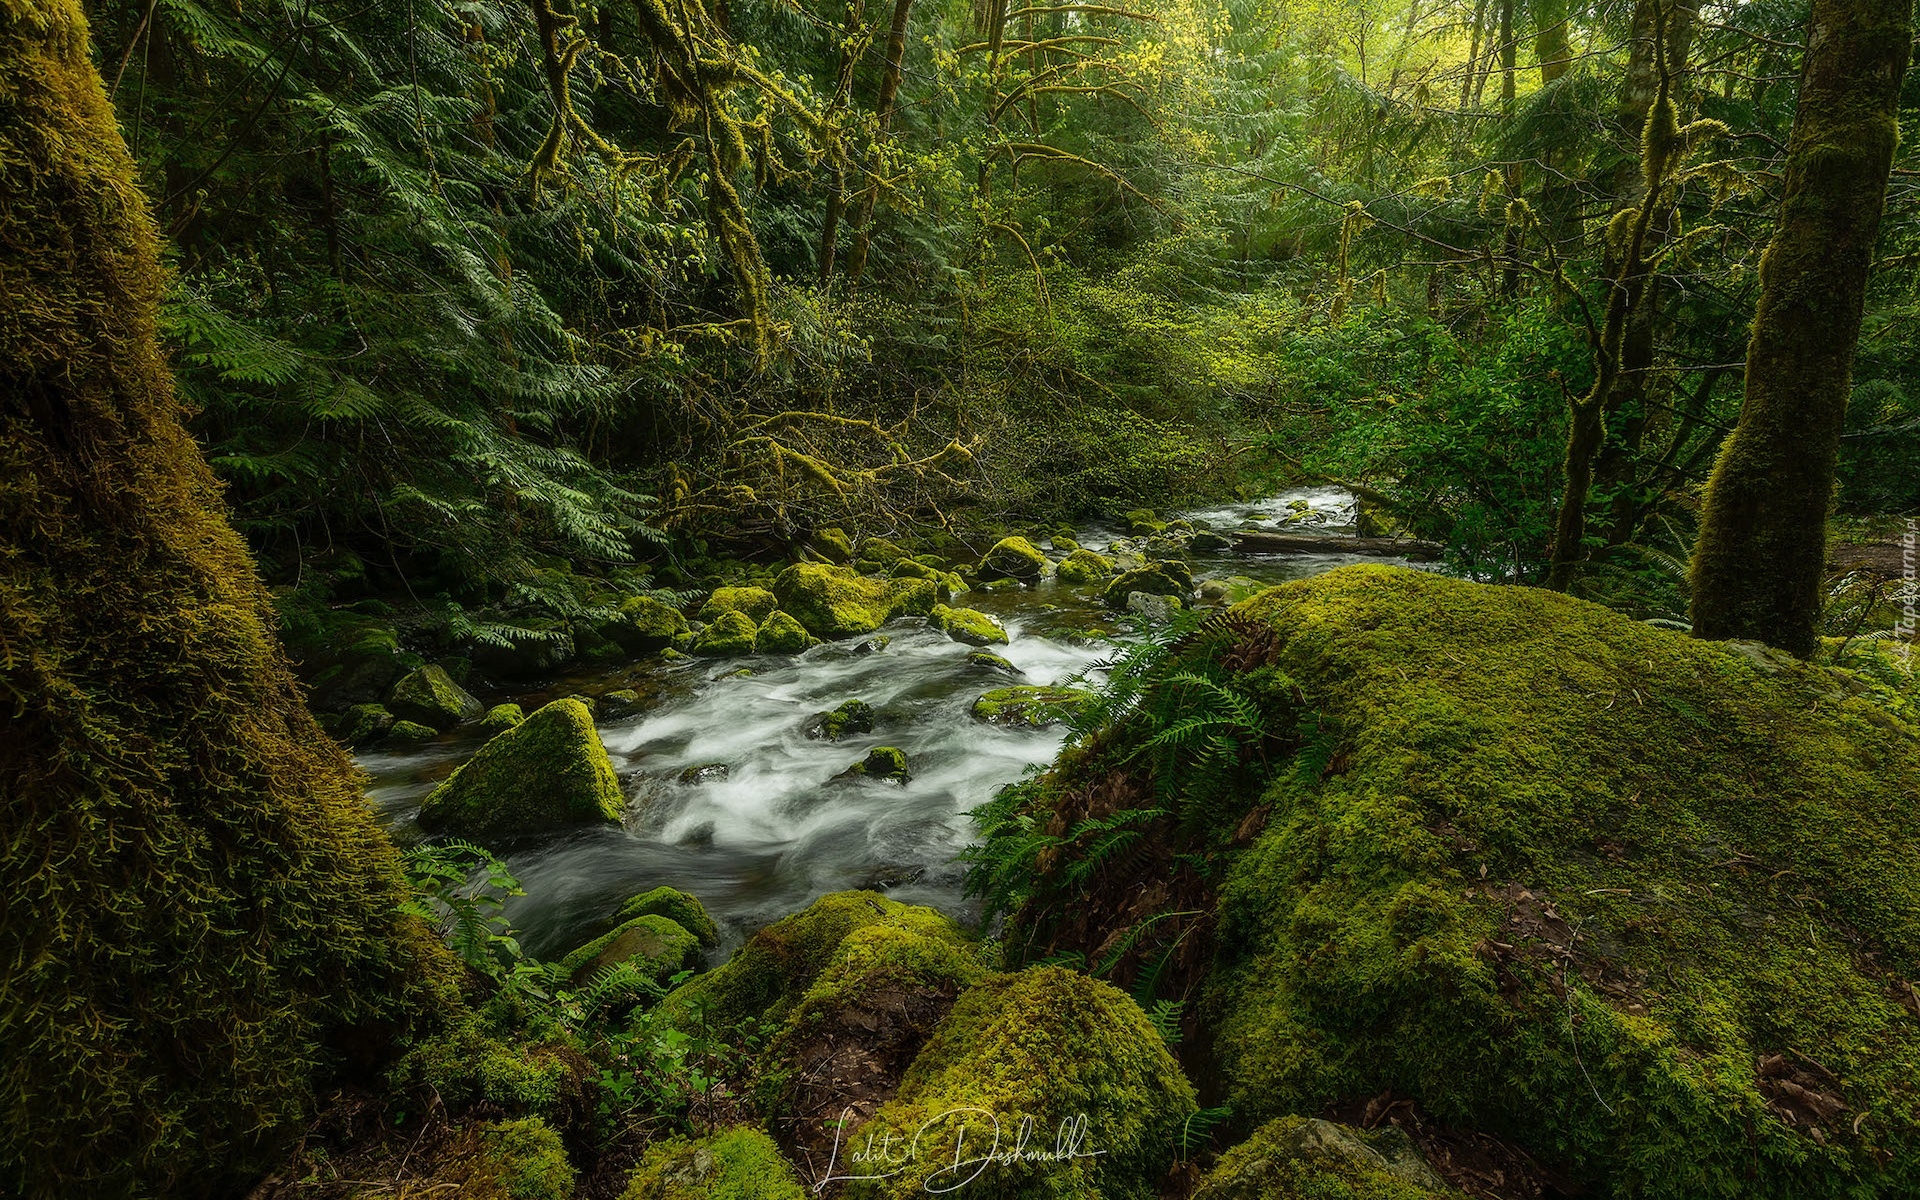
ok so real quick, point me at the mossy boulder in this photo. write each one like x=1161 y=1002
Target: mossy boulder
x=968 y=625
x=782 y=634
x=621 y=702
x=658 y=946
x=1028 y=706
x=1173 y=579
x=348 y=659
x=402 y=732
x=549 y=772
x=833 y=602
x=1069 y=1058
x=992 y=662
x=881 y=762
x=945 y=583
x=645 y=624
x=884 y=552
x=1624 y=899
x=1143 y=521
x=833 y=545
x=1301 y=1158
x=502 y=717
x=429 y=696
x=731 y=633
x=1084 y=566
x=680 y=907
x=768 y=975
x=362 y=725
x=1013 y=558
x=471 y=1063
x=853 y=716
x=741 y=1163
x=757 y=602
x=522 y=1159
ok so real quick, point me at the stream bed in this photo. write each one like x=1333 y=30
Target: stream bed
x=777 y=830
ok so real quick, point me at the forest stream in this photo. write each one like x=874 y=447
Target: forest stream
x=778 y=829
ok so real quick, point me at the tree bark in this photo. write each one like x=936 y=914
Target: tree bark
x=199 y=903
x=1762 y=550
x=883 y=123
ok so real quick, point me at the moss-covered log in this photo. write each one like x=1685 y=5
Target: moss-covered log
x=1762 y=549
x=199 y=905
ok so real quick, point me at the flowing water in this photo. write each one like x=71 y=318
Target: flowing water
x=778 y=829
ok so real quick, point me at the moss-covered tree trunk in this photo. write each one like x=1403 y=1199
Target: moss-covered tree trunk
x=1762 y=548
x=198 y=905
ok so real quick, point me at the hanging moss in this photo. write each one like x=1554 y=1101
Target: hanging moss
x=200 y=910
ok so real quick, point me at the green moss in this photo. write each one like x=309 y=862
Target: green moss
x=1626 y=898
x=677 y=906
x=429 y=696
x=1084 y=566
x=362 y=725
x=832 y=545
x=781 y=634
x=546 y=773
x=521 y=1160
x=884 y=552
x=734 y=1164
x=833 y=602
x=471 y=1063
x=1297 y=1158
x=657 y=944
x=757 y=602
x=645 y=624
x=622 y=702
x=502 y=717
x=992 y=661
x=945 y=583
x=411 y=731
x=853 y=716
x=967 y=625
x=1047 y=1046
x=1143 y=521
x=1033 y=707
x=1156 y=579
x=1013 y=558
x=881 y=762
x=769 y=974
x=731 y=633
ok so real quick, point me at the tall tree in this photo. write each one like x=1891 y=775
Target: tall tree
x=1762 y=549
x=199 y=903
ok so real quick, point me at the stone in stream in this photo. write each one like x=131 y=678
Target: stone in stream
x=873 y=645
x=993 y=662
x=429 y=696
x=881 y=762
x=682 y=908
x=945 y=583
x=757 y=602
x=1029 y=707
x=1084 y=566
x=1206 y=541
x=1231 y=590
x=1158 y=610
x=658 y=946
x=411 y=731
x=623 y=702
x=731 y=633
x=853 y=716
x=833 y=602
x=782 y=634
x=1013 y=558
x=1160 y=579
x=549 y=772
x=968 y=625
x=645 y=624
x=361 y=726
x=502 y=717
x=705 y=773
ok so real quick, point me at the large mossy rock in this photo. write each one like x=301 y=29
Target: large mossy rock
x=657 y=946
x=522 y=1159
x=429 y=696
x=782 y=634
x=968 y=625
x=645 y=624
x=348 y=659
x=833 y=602
x=1636 y=903
x=757 y=602
x=546 y=773
x=1013 y=558
x=732 y=633
x=1084 y=566
x=1072 y=1055
x=682 y=908
x=1028 y=706
x=1300 y=1158
x=741 y=1163
x=1155 y=579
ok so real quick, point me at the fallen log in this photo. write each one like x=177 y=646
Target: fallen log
x=1262 y=542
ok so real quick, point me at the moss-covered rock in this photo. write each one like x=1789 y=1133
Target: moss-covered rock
x=884 y=552
x=645 y=624
x=621 y=702
x=769 y=974
x=1623 y=898
x=362 y=725
x=1143 y=521
x=658 y=946
x=1299 y=1158
x=1068 y=1058
x=348 y=659
x=546 y=773
x=833 y=545
x=968 y=625
x=735 y=1164
x=429 y=696
x=1028 y=706
x=833 y=602
x=1084 y=566
x=731 y=633
x=471 y=1063
x=881 y=762
x=406 y=732
x=1013 y=558
x=945 y=583
x=992 y=662
x=502 y=717
x=757 y=602
x=1173 y=579
x=782 y=634
x=853 y=716
x=680 y=907
x=522 y=1159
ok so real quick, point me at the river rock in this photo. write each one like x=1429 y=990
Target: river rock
x=682 y=908
x=502 y=717
x=1084 y=566
x=881 y=762
x=410 y=731
x=831 y=545
x=945 y=583
x=968 y=625
x=429 y=696
x=645 y=624
x=1029 y=707
x=658 y=946
x=1159 y=579
x=362 y=725
x=782 y=634
x=549 y=772
x=731 y=633
x=1158 y=610
x=757 y=602
x=853 y=716
x=992 y=661
x=622 y=702
x=1013 y=558
x=833 y=602
x=349 y=659
x=705 y=773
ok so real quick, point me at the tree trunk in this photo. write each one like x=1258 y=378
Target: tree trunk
x=1762 y=548
x=883 y=121
x=198 y=899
